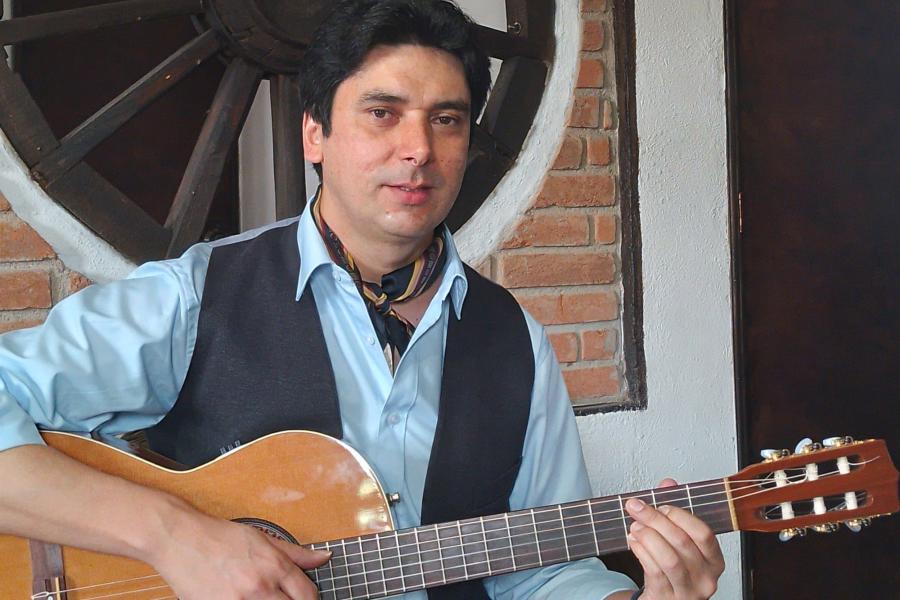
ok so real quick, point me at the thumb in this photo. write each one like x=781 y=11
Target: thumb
x=304 y=557
x=667 y=482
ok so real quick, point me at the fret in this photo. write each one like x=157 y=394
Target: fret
x=462 y=550
x=579 y=529
x=687 y=490
x=410 y=564
x=390 y=559
x=551 y=538
x=624 y=514
x=356 y=567
x=373 y=566
x=653 y=499
x=422 y=566
x=324 y=575
x=711 y=504
x=430 y=551
x=341 y=574
x=562 y=524
x=590 y=504
x=499 y=545
x=487 y=554
x=524 y=540
x=451 y=551
x=474 y=548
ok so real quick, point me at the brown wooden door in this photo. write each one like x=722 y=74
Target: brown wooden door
x=814 y=100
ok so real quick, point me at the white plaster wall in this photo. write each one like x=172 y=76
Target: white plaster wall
x=688 y=429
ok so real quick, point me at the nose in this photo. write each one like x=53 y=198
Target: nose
x=416 y=142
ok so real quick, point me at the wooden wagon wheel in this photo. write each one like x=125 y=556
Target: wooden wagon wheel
x=257 y=39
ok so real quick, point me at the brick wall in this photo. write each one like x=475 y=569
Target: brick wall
x=32 y=278
x=562 y=262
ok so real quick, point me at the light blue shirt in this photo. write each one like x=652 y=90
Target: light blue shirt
x=113 y=358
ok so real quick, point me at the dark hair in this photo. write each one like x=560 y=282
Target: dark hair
x=344 y=39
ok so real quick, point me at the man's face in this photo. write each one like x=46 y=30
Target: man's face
x=394 y=161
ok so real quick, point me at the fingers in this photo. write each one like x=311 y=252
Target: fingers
x=655 y=579
x=698 y=531
x=667 y=482
x=297 y=586
x=303 y=557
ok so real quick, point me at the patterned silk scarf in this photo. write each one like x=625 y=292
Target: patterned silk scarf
x=394 y=332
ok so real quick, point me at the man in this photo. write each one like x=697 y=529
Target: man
x=433 y=373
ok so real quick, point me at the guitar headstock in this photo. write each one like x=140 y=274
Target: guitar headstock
x=820 y=486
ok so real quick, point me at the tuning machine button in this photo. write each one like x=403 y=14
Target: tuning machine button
x=770 y=454
x=837 y=442
x=826 y=528
x=856 y=525
x=807 y=446
x=787 y=534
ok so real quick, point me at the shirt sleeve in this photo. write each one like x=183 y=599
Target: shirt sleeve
x=553 y=472
x=111 y=358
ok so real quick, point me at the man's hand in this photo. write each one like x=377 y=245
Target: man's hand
x=212 y=558
x=679 y=552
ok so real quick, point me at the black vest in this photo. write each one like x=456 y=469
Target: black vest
x=261 y=365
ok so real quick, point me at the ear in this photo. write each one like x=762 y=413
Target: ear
x=312 y=139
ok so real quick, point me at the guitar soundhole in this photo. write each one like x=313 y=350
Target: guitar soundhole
x=268 y=528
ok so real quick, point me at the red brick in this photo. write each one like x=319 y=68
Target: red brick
x=583 y=189
x=18 y=242
x=571 y=307
x=592 y=35
x=598 y=344
x=550 y=230
x=543 y=270
x=23 y=324
x=75 y=282
x=565 y=345
x=608 y=115
x=590 y=73
x=4 y=204
x=598 y=150
x=605 y=229
x=593 y=5
x=585 y=112
x=591 y=382
x=570 y=153
x=24 y=289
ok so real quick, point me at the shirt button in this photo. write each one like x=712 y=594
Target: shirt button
x=394 y=419
x=370 y=340
x=337 y=277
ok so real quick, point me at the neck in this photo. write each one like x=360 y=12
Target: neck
x=432 y=555
x=374 y=256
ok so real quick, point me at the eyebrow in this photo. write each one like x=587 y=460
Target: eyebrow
x=381 y=96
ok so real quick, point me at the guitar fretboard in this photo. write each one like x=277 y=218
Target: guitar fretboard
x=395 y=562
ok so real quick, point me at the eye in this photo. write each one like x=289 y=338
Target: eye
x=447 y=120
x=379 y=113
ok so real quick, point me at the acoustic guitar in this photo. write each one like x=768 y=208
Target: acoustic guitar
x=310 y=489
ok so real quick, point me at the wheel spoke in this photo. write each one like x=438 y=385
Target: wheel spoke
x=35 y=27
x=290 y=179
x=226 y=117
x=488 y=162
x=77 y=144
x=514 y=101
x=503 y=45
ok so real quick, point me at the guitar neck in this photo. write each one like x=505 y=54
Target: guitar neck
x=394 y=562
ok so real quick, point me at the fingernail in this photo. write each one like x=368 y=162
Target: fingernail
x=635 y=505
x=631 y=539
x=636 y=526
x=665 y=509
x=324 y=553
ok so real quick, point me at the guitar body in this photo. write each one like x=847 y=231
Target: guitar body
x=311 y=486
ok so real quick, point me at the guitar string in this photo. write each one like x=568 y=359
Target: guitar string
x=801 y=476
x=753 y=482
x=399 y=547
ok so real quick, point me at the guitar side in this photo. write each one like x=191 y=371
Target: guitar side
x=313 y=487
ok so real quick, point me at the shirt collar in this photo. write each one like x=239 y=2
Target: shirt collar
x=314 y=254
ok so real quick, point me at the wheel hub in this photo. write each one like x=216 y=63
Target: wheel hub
x=270 y=33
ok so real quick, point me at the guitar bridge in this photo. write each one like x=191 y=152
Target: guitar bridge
x=53 y=588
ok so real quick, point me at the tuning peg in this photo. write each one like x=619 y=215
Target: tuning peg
x=856 y=525
x=787 y=534
x=836 y=442
x=826 y=528
x=806 y=446
x=770 y=454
